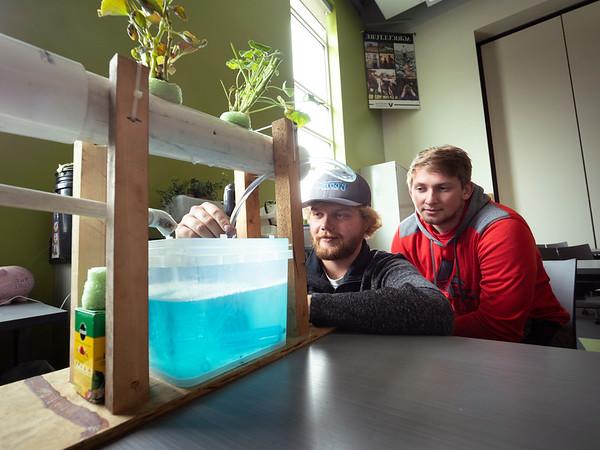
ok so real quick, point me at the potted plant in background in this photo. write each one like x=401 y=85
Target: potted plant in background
x=159 y=46
x=180 y=196
x=255 y=69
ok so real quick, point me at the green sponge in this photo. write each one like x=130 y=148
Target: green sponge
x=94 y=289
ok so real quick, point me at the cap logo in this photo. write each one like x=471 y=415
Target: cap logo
x=333 y=186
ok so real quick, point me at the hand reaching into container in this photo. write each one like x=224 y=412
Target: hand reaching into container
x=205 y=220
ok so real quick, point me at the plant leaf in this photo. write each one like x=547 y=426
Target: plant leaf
x=135 y=54
x=138 y=18
x=161 y=49
x=193 y=40
x=151 y=6
x=258 y=46
x=180 y=12
x=186 y=48
x=154 y=18
x=132 y=32
x=233 y=64
x=113 y=8
x=298 y=117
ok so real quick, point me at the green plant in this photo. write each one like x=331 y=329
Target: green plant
x=209 y=190
x=150 y=26
x=255 y=69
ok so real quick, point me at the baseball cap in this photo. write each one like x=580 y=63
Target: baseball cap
x=328 y=188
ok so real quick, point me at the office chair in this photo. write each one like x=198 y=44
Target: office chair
x=562 y=281
x=548 y=253
x=554 y=245
x=576 y=251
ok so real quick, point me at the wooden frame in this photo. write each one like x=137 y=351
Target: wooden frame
x=110 y=228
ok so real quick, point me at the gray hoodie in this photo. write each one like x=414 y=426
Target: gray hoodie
x=381 y=293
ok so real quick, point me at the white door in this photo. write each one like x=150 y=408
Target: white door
x=535 y=137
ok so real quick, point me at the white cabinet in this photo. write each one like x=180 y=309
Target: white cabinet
x=389 y=198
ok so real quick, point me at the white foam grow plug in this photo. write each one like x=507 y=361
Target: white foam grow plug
x=94 y=289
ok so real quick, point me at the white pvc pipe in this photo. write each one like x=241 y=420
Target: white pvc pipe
x=43 y=95
x=50 y=97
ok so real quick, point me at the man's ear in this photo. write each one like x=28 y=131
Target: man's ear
x=467 y=191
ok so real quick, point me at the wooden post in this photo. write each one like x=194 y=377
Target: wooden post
x=289 y=221
x=88 y=233
x=127 y=379
x=248 y=222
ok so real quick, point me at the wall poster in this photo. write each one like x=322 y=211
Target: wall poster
x=391 y=70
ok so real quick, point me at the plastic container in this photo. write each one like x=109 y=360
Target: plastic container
x=214 y=304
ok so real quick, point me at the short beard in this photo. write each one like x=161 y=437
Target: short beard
x=343 y=250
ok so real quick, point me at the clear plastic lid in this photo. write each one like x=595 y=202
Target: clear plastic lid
x=204 y=252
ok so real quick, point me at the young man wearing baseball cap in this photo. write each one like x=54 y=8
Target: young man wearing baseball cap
x=351 y=286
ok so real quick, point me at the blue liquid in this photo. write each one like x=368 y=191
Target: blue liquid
x=191 y=341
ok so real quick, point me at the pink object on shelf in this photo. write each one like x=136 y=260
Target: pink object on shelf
x=15 y=281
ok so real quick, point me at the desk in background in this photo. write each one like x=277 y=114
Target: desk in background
x=20 y=317
x=364 y=391
x=588 y=267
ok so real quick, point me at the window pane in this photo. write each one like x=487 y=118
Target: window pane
x=314 y=145
x=309 y=18
x=310 y=63
x=320 y=115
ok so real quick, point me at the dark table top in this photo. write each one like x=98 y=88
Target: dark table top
x=588 y=267
x=369 y=392
x=18 y=315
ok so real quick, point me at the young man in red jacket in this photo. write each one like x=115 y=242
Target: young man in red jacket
x=481 y=254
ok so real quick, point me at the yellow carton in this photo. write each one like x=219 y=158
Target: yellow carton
x=88 y=354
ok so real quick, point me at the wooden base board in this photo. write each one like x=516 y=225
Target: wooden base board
x=46 y=412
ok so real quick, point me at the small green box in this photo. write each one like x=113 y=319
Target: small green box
x=90 y=323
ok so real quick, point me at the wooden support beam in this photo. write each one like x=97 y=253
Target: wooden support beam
x=18 y=197
x=127 y=380
x=88 y=233
x=248 y=221
x=289 y=221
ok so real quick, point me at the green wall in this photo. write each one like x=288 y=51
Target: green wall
x=362 y=133
x=72 y=29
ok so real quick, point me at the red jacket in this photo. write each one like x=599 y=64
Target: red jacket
x=488 y=267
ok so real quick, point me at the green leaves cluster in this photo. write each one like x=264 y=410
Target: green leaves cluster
x=253 y=86
x=209 y=190
x=150 y=25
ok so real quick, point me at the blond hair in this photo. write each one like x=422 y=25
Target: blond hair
x=446 y=159
x=372 y=219
x=368 y=214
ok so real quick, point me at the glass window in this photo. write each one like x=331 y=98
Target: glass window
x=311 y=79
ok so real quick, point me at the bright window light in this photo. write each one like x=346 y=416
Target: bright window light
x=311 y=79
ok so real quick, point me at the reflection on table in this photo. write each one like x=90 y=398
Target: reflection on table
x=364 y=391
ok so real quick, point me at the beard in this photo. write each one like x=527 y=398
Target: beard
x=338 y=249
